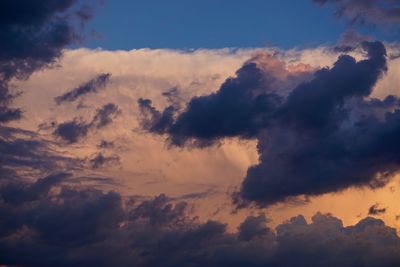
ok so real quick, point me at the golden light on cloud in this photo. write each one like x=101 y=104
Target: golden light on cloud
x=147 y=165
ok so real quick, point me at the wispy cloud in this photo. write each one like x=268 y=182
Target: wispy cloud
x=91 y=86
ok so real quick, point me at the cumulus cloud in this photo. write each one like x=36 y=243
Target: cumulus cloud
x=376 y=210
x=322 y=136
x=104 y=144
x=181 y=173
x=86 y=227
x=253 y=227
x=72 y=131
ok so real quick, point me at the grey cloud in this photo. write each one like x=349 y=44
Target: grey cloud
x=100 y=160
x=322 y=135
x=24 y=153
x=373 y=12
x=87 y=227
x=91 y=86
x=75 y=130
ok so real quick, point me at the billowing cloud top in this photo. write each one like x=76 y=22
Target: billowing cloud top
x=306 y=135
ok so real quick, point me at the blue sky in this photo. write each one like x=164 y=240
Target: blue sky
x=127 y=24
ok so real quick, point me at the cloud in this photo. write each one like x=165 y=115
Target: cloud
x=253 y=227
x=25 y=154
x=58 y=221
x=17 y=192
x=181 y=172
x=241 y=107
x=99 y=160
x=376 y=210
x=350 y=39
x=137 y=74
x=105 y=115
x=33 y=34
x=306 y=135
x=91 y=86
x=76 y=129
x=104 y=144
x=71 y=226
x=153 y=120
x=72 y=131
x=375 y=12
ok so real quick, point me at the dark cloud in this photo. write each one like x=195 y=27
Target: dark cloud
x=376 y=210
x=370 y=12
x=76 y=129
x=324 y=135
x=33 y=35
x=91 y=86
x=197 y=195
x=105 y=115
x=152 y=119
x=100 y=160
x=25 y=154
x=254 y=227
x=174 y=97
x=72 y=131
x=87 y=227
x=232 y=111
x=9 y=114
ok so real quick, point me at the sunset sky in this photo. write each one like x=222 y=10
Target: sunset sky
x=200 y=133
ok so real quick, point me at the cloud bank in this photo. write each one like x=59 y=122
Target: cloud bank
x=324 y=135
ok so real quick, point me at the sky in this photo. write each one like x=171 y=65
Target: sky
x=181 y=24
x=212 y=24
x=199 y=133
